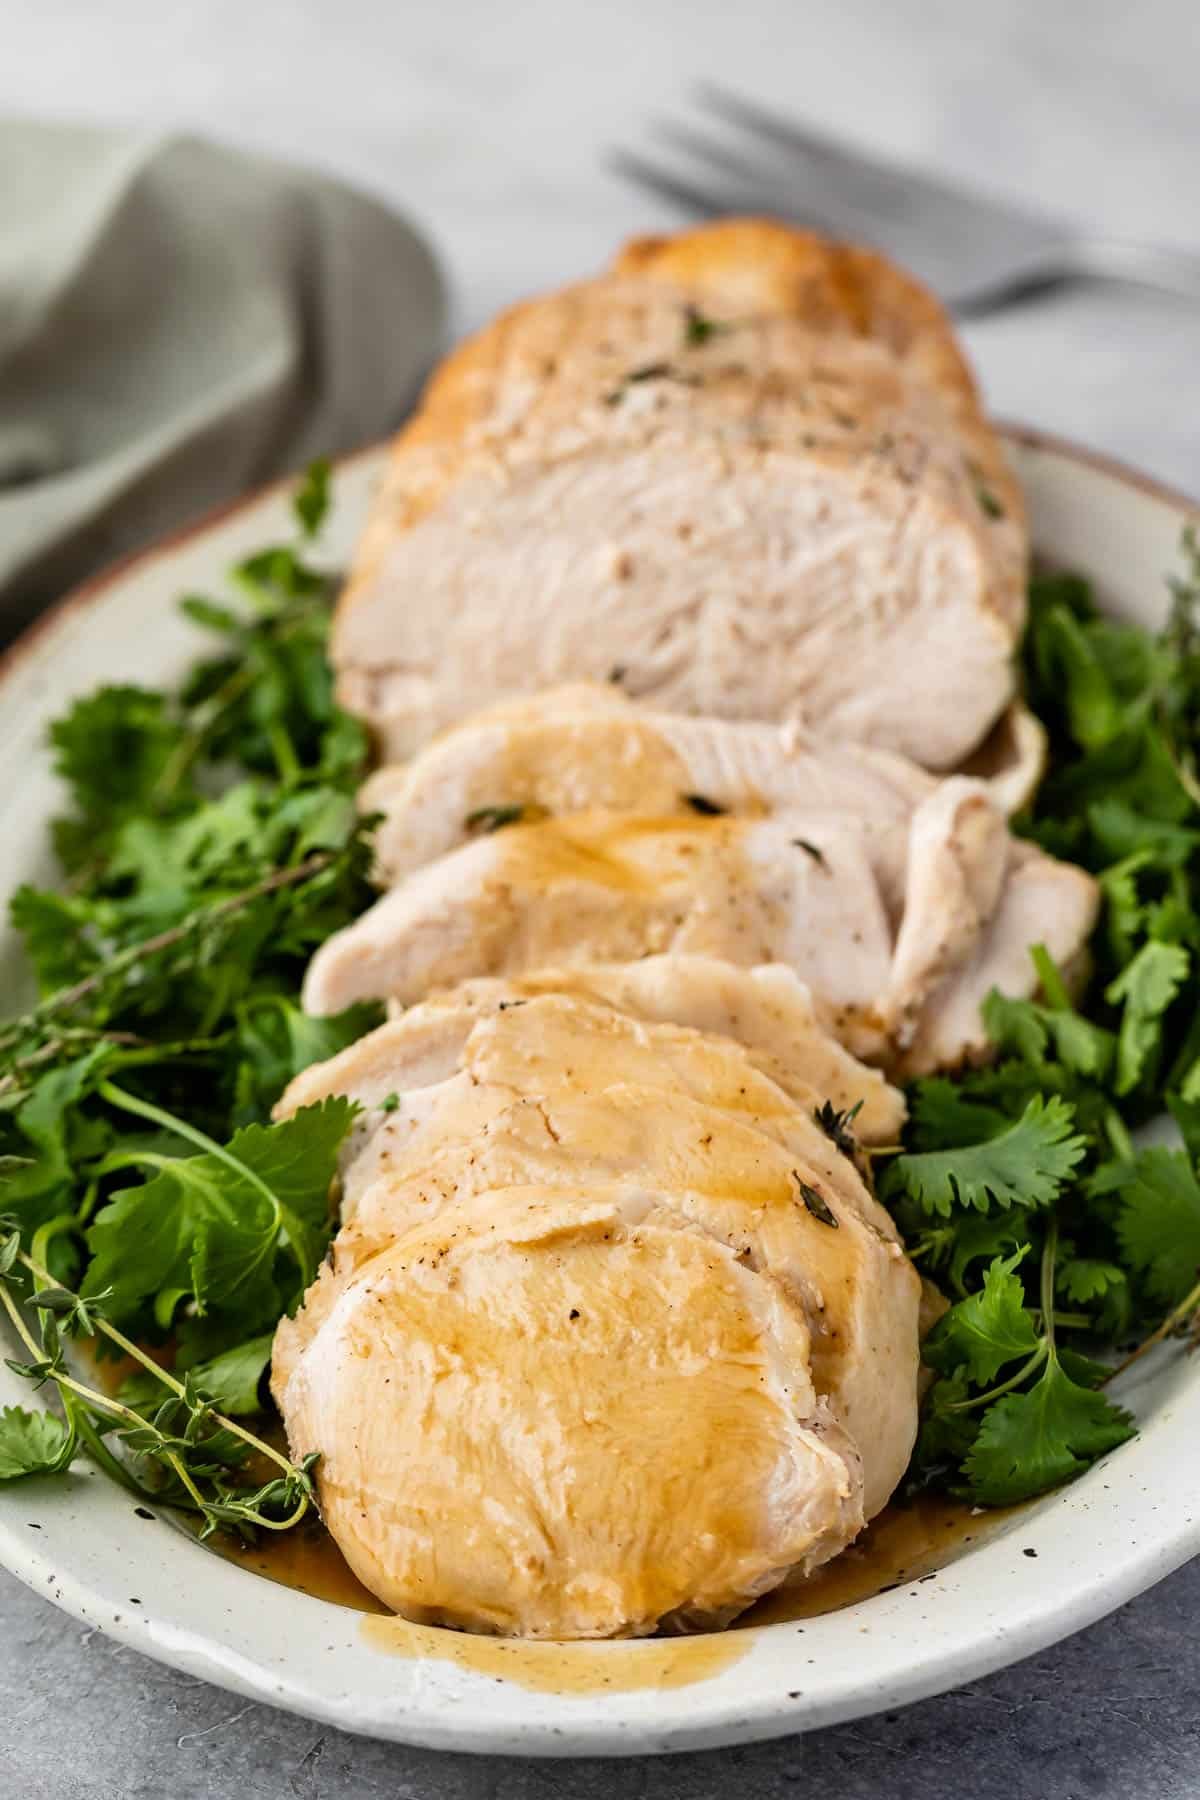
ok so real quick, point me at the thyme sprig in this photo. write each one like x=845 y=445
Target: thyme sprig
x=182 y=1452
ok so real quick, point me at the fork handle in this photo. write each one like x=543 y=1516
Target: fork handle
x=1171 y=271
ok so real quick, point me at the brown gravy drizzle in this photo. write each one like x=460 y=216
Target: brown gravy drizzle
x=905 y=1543
x=581 y=1668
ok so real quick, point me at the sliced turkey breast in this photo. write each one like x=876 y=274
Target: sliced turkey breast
x=603 y=887
x=543 y=1419
x=587 y=748
x=546 y=758
x=497 y=1121
x=809 y=889
x=555 y=1092
x=617 y=886
x=1011 y=759
x=746 y=472
x=959 y=856
x=546 y=1047
x=729 y=1176
x=860 y=1299
x=549 y=758
x=1042 y=902
x=767 y=1010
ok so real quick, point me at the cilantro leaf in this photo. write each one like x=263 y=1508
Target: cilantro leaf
x=1026 y=1165
x=1027 y=1030
x=1030 y=1442
x=1067 y=588
x=979 y=1236
x=1146 y=986
x=948 y=1427
x=276 y=575
x=297 y=1160
x=1081 y=1279
x=1122 y=830
x=1083 y=1047
x=1030 y=1029
x=1158 y=1222
x=51 y=1125
x=942 y=1114
x=1124 y=910
x=112 y=749
x=33 y=1443
x=1135 y=767
x=1185 y=1110
x=1069 y=654
x=58 y=930
x=1016 y=1027
x=986 y=1330
x=194 y=1231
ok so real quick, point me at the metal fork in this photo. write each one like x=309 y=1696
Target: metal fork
x=979 y=253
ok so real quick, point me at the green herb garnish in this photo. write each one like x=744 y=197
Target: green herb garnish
x=698 y=328
x=839 y=1126
x=651 y=371
x=212 y=843
x=816 y=1202
x=811 y=849
x=495 y=818
x=1021 y=1188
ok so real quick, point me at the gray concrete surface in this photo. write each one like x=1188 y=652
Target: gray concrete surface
x=488 y=123
x=1112 y=1712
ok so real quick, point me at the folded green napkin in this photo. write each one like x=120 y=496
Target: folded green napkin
x=178 y=322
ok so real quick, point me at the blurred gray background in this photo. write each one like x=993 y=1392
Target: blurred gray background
x=487 y=124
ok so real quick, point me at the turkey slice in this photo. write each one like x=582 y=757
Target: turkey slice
x=548 y=1419
x=767 y=1010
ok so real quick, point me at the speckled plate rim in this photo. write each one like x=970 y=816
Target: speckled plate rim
x=1039 y=1575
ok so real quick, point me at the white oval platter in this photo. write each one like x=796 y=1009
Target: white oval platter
x=145 y=1581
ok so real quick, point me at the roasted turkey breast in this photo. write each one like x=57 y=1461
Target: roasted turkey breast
x=745 y=473
x=527 y=1163
x=556 y=1416
x=691 y=597
x=556 y=1092
x=767 y=1010
x=898 y=927
x=585 y=748
x=610 y=887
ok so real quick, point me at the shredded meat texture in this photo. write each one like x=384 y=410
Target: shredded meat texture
x=804 y=515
